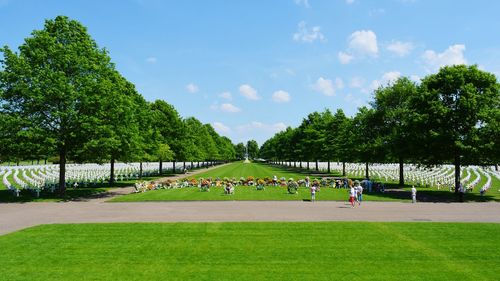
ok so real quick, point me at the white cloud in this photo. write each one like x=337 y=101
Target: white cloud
x=192 y=88
x=226 y=95
x=308 y=35
x=281 y=96
x=349 y=2
x=400 y=48
x=324 y=86
x=357 y=82
x=345 y=58
x=363 y=42
x=356 y=101
x=415 y=78
x=227 y=107
x=387 y=78
x=259 y=126
x=151 y=60
x=328 y=87
x=221 y=128
x=451 y=56
x=304 y=3
x=248 y=92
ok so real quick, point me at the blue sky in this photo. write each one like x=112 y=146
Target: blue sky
x=251 y=68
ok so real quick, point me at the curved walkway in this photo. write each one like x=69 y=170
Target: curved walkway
x=18 y=216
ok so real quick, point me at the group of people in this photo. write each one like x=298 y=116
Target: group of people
x=356 y=194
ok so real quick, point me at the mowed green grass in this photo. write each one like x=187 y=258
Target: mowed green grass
x=257 y=170
x=253 y=251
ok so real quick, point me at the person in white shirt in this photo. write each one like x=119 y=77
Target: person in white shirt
x=313 y=193
x=359 y=194
x=352 y=196
x=413 y=194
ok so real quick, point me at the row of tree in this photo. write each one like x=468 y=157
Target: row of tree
x=61 y=95
x=452 y=116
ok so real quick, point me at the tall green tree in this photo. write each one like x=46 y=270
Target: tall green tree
x=55 y=84
x=240 y=150
x=171 y=131
x=455 y=109
x=392 y=105
x=253 y=149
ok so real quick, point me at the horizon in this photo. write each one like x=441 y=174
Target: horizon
x=253 y=68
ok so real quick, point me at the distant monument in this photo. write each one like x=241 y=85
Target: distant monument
x=246 y=155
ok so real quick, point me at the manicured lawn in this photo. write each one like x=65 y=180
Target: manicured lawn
x=253 y=251
x=250 y=193
x=258 y=170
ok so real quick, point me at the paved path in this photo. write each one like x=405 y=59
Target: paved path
x=18 y=216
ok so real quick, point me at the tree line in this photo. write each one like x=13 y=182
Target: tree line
x=452 y=116
x=61 y=95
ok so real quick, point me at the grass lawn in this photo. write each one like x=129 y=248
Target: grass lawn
x=253 y=251
x=258 y=170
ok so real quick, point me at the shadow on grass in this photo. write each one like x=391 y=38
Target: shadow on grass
x=26 y=196
x=79 y=194
x=434 y=196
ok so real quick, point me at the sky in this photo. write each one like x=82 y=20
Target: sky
x=252 y=68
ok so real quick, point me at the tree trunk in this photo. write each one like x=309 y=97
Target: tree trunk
x=496 y=167
x=160 y=170
x=173 y=167
x=38 y=161
x=112 y=172
x=457 y=173
x=190 y=168
x=183 y=166
x=140 y=170
x=45 y=161
x=367 y=173
x=300 y=164
x=198 y=164
x=343 y=168
x=308 y=165
x=328 y=168
x=401 y=173
x=317 y=169
x=62 y=172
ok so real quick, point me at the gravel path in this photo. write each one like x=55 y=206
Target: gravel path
x=18 y=216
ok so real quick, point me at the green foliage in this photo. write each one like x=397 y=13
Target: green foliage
x=253 y=149
x=55 y=86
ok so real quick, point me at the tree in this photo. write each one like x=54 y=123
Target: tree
x=338 y=143
x=171 y=131
x=55 y=85
x=392 y=104
x=456 y=108
x=253 y=149
x=240 y=150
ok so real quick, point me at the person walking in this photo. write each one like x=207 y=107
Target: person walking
x=413 y=194
x=352 y=196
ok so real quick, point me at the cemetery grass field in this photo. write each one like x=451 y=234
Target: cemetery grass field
x=272 y=193
x=253 y=251
x=71 y=194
